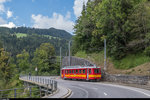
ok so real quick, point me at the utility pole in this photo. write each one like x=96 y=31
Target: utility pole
x=69 y=53
x=105 y=66
x=60 y=61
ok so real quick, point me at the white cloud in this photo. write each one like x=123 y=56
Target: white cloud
x=2 y=1
x=57 y=21
x=78 y=6
x=9 y=25
x=2 y=21
x=2 y=7
x=9 y=14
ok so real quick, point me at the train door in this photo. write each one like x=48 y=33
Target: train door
x=64 y=74
x=87 y=78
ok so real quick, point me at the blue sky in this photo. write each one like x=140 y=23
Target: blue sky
x=60 y=14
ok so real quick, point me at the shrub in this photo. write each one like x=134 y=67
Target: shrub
x=147 y=51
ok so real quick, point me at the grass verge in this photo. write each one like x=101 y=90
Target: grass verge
x=131 y=61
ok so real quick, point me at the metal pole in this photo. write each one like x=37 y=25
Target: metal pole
x=105 y=66
x=60 y=61
x=40 y=91
x=69 y=52
x=15 y=94
x=30 y=91
x=47 y=90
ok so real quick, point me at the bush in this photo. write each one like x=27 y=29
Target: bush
x=147 y=51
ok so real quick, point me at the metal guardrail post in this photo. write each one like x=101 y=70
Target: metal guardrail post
x=30 y=92
x=15 y=94
x=56 y=85
x=52 y=87
x=47 y=89
x=40 y=91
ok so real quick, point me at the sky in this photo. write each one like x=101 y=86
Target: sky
x=44 y=14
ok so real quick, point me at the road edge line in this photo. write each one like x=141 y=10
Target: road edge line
x=68 y=94
x=52 y=93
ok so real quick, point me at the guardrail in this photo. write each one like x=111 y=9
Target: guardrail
x=44 y=87
x=25 y=92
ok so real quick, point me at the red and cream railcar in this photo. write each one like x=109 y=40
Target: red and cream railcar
x=81 y=72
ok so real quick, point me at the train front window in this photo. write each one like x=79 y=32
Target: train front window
x=95 y=71
x=98 y=71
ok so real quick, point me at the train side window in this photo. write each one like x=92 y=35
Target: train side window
x=69 y=71
x=89 y=71
x=80 y=71
x=77 y=71
x=73 y=71
x=83 y=71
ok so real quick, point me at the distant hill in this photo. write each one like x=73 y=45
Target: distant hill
x=15 y=40
x=51 y=31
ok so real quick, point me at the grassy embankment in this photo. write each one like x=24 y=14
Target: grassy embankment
x=20 y=35
x=133 y=64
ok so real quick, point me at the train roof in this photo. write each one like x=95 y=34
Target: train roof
x=79 y=66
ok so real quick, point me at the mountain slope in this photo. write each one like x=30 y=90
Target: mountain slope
x=51 y=31
x=15 y=40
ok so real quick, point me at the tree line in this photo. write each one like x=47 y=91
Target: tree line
x=27 y=30
x=44 y=60
x=125 y=24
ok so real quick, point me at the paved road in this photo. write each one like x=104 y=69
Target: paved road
x=81 y=89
